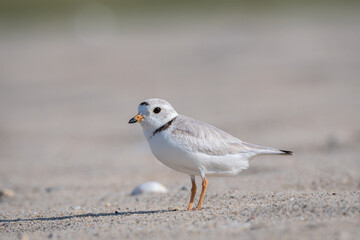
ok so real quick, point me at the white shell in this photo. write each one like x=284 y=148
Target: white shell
x=149 y=187
x=7 y=193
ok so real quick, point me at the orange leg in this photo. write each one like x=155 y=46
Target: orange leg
x=204 y=185
x=193 y=191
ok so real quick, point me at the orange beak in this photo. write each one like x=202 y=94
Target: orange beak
x=137 y=118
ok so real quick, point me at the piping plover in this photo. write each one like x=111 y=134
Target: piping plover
x=193 y=147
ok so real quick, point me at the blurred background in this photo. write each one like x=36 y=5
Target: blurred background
x=273 y=73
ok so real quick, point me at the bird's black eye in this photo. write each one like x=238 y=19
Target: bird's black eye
x=157 y=110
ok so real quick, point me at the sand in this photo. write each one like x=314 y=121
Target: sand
x=72 y=160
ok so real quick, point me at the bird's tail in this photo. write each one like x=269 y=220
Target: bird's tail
x=259 y=150
x=286 y=152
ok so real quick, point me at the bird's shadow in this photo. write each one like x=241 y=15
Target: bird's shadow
x=94 y=215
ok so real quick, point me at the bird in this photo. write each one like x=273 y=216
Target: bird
x=194 y=147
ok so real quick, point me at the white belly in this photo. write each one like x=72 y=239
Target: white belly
x=179 y=157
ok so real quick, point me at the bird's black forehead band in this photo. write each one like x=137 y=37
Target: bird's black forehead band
x=144 y=103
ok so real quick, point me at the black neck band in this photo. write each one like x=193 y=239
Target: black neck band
x=164 y=127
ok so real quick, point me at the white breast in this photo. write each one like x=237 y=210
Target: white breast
x=173 y=153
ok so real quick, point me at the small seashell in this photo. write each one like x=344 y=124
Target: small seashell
x=7 y=193
x=149 y=187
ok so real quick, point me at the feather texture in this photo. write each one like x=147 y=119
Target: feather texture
x=205 y=138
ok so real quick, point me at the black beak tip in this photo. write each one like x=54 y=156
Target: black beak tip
x=133 y=120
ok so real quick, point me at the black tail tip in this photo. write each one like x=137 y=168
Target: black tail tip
x=287 y=152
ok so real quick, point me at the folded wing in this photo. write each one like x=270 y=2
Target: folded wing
x=207 y=139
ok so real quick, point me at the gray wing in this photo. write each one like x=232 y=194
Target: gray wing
x=202 y=137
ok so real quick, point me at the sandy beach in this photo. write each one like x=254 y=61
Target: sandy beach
x=71 y=159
